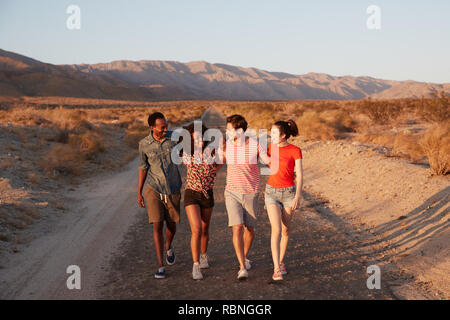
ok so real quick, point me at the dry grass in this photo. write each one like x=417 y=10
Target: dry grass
x=370 y=121
x=63 y=138
x=72 y=136
x=313 y=125
x=134 y=134
x=62 y=159
x=88 y=144
x=406 y=145
x=436 y=146
x=436 y=109
x=325 y=125
x=25 y=214
x=380 y=111
x=386 y=140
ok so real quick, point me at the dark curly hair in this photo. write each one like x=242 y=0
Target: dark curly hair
x=191 y=128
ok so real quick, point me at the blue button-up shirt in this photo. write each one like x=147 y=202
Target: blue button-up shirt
x=155 y=157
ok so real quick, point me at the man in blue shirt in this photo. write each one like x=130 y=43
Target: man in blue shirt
x=162 y=193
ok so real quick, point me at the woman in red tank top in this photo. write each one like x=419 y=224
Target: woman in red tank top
x=283 y=189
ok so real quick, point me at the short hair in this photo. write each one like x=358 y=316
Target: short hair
x=237 y=121
x=153 y=117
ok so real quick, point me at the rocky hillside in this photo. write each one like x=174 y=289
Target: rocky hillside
x=148 y=80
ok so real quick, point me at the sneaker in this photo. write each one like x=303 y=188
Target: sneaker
x=196 y=273
x=204 y=261
x=248 y=265
x=277 y=275
x=283 y=269
x=242 y=274
x=161 y=273
x=170 y=257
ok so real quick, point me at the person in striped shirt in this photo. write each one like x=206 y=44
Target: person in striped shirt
x=241 y=156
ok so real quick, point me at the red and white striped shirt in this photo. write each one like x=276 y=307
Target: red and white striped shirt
x=242 y=166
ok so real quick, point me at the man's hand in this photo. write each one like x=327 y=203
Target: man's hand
x=141 y=201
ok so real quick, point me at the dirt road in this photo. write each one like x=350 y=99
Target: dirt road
x=108 y=237
x=323 y=261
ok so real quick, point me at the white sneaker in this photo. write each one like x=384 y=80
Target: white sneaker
x=204 y=261
x=248 y=265
x=196 y=273
x=242 y=274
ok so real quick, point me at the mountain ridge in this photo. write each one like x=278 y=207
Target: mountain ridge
x=160 y=79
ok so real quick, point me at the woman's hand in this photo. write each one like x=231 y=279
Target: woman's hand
x=296 y=202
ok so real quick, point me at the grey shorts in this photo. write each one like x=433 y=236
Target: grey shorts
x=241 y=208
x=280 y=196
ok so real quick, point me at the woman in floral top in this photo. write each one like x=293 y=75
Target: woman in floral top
x=198 y=197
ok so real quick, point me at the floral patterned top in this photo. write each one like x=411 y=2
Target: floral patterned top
x=201 y=172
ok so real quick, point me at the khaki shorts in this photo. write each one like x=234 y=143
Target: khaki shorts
x=162 y=207
x=241 y=208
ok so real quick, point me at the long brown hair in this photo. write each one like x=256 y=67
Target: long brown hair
x=288 y=128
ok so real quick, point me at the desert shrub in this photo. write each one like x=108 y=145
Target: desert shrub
x=386 y=140
x=264 y=106
x=261 y=120
x=340 y=119
x=380 y=111
x=76 y=115
x=436 y=109
x=134 y=134
x=132 y=139
x=407 y=145
x=293 y=110
x=68 y=119
x=88 y=144
x=58 y=135
x=321 y=106
x=313 y=126
x=62 y=159
x=436 y=146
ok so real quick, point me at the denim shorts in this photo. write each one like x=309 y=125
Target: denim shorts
x=280 y=196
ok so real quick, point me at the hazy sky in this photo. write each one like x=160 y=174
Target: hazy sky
x=289 y=36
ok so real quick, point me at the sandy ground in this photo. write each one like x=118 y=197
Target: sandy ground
x=346 y=224
x=403 y=207
x=102 y=210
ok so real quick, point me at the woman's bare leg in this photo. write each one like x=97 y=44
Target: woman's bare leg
x=286 y=217
x=206 y=219
x=274 y=213
x=193 y=213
